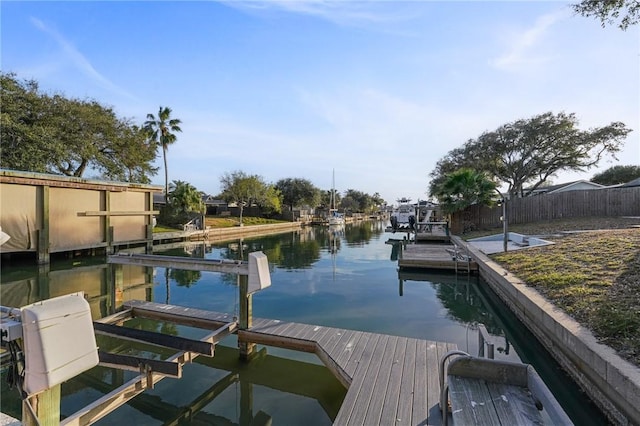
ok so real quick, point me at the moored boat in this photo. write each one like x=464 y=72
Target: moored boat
x=403 y=217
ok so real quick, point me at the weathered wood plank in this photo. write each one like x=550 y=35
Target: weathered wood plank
x=281 y=328
x=342 y=344
x=390 y=406
x=514 y=405
x=419 y=410
x=349 y=350
x=351 y=399
x=315 y=333
x=178 y=314
x=434 y=416
x=374 y=412
x=405 y=398
x=471 y=402
x=287 y=329
x=329 y=339
x=363 y=405
x=354 y=360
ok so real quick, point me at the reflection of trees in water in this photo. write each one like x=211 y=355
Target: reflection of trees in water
x=464 y=304
x=288 y=251
x=295 y=252
x=361 y=232
x=184 y=278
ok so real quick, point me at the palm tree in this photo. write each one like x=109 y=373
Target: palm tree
x=463 y=188
x=162 y=130
x=185 y=197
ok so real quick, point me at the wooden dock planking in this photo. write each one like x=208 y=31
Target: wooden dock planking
x=374 y=411
x=432 y=256
x=407 y=384
x=390 y=406
x=389 y=379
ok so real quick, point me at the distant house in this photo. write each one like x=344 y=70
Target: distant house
x=579 y=185
x=214 y=206
x=158 y=200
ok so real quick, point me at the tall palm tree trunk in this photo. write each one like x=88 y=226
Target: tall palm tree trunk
x=166 y=176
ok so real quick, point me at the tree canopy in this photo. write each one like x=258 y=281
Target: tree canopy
x=359 y=201
x=528 y=152
x=54 y=134
x=184 y=197
x=296 y=191
x=616 y=175
x=245 y=190
x=621 y=12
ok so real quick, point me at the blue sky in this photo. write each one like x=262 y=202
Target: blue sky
x=377 y=90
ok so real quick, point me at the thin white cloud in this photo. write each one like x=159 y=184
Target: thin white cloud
x=342 y=12
x=79 y=60
x=522 y=45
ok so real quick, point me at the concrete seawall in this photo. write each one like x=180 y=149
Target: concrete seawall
x=223 y=234
x=612 y=382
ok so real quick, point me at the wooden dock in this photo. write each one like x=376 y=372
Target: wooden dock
x=389 y=379
x=436 y=256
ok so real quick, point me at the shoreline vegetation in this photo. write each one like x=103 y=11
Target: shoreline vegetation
x=592 y=272
x=225 y=222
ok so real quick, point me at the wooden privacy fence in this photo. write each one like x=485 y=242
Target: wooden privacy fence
x=610 y=202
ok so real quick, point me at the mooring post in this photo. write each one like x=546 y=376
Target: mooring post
x=246 y=314
x=46 y=407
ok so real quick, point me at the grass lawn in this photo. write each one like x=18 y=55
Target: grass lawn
x=593 y=276
x=224 y=222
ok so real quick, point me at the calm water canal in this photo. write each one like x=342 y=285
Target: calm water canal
x=346 y=279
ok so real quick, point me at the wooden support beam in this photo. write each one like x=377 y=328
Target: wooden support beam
x=45 y=406
x=184 y=263
x=179 y=315
x=44 y=231
x=134 y=363
x=158 y=339
x=246 y=317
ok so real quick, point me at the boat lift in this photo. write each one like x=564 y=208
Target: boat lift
x=53 y=340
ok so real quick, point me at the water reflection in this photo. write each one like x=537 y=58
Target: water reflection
x=343 y=278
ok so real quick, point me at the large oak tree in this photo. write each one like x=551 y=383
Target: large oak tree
x=245 y=190
x=55 y=134
x=526 y=153
x=296 y=191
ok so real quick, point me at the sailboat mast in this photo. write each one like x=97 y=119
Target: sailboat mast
x=333 y=189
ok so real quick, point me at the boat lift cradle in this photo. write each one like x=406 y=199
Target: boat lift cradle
x=482 y=391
